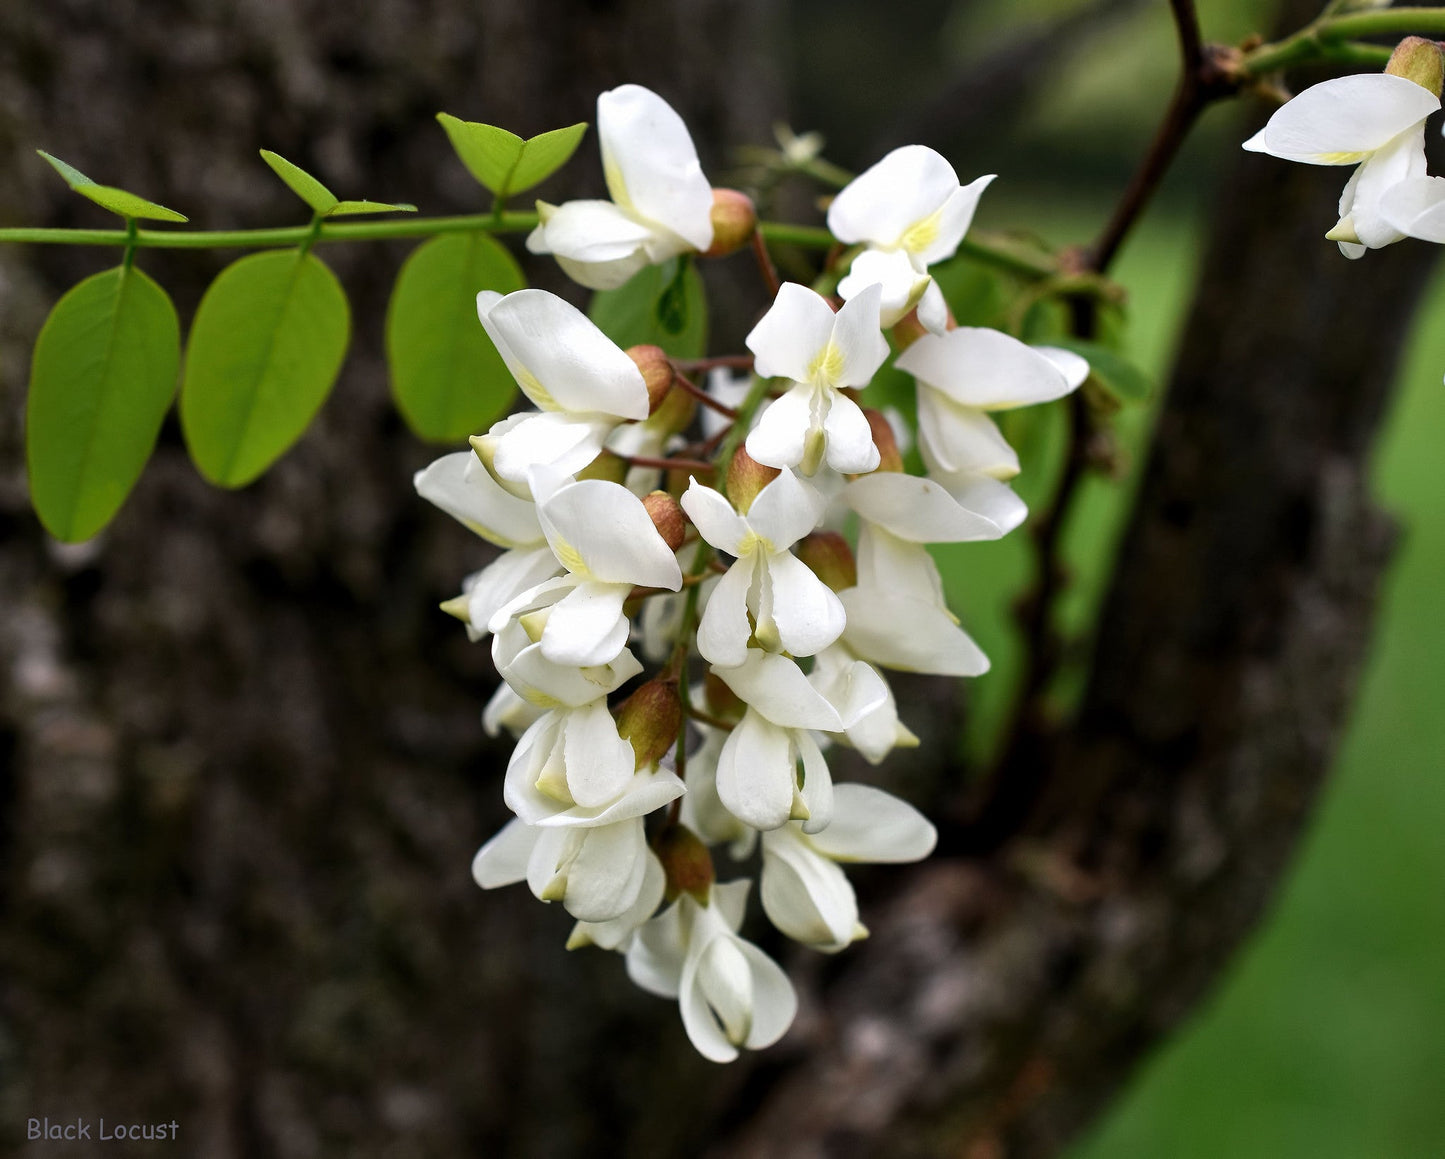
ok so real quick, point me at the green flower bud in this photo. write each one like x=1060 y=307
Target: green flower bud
x=734 y=218
x=687 y=863
x=746 y=477
x=650 y=719
x=1419 y=60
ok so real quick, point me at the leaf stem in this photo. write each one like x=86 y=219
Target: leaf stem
x=702 y=396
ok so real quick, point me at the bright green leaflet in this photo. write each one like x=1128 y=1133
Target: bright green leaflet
x=503 y=161
x=318 y=197
x=661 y=305
x=108 y=197
x=101 y=381
x=446 y=376
x=1111 y=370
x=266 y=347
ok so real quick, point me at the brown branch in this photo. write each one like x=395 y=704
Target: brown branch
x=701 y=395
x=765 y=263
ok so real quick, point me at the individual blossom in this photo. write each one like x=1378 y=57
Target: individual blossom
x=1373 y=121
x=603 y=535
x=460 y=486
x=661 y=203
x=616 y=933
x=791 y=608
x=583 y=383
x=800 y=338
x=803 y=888
x=910 y=212
x=770 y=769
x=962 y=375
x=730 y=993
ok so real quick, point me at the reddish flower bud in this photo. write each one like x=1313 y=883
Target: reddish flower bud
x=734 y=218
x=650 y=719
x=746 y=477
x=722 y=701
x=890 y=458
x=656 y=372
x=1419 y=60
x=830 y=558
x=667 y=517
x=687 y=863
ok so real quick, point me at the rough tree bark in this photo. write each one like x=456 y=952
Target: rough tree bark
x=242 y=771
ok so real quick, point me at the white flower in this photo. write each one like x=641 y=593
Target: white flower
x=730 y=993
x=804 y=892
x=616 y=934
x=461 y=487
x=911 y=211
x=759 y=779
x=702 y=810
x=800 y=338
x=961 y=375
x=1375 y=121
x=602 y=534
x=844 y=679
x=1416 y=208
x=661 y=203
x=582 y=381
x=792 y=609
x=508 y=710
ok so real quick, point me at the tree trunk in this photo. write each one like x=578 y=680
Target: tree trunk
x=243 y=775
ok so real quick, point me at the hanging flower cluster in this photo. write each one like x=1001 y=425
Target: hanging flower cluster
x=771 y=568
x=1375 y=122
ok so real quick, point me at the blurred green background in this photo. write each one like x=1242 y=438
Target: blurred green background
x=1327 y=1037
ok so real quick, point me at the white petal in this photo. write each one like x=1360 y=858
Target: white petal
x=460 y=486
x=706 y=1035
x=559 y=357
x=602 y=531
x=903 y=286
x=655 y=957
x=605 y=877
x=600 y=763
x=503 y=859
x=780 y=438
x=858 y=339
x=775 y=1003
x=555 y=439
x=730 y=900
x=873 y=826
x=505 y=579
x=933 y=309
x=714 y=517
x=1074 y=367
x=1416 y=207
x=605 y=275
x=953 y=222
x=816 y=792
x=725 y=982
x=908 y=634
x=538 y=753
x=962 y=438
x=804 y=894
x=723 y=631
x=775 y=686
x=1403 y=159
x=1338 y=121
x=586 y=627
x=864 y=692
x=881 y=204
x=755 y=773
x=851 y=450
x=508 y=710
x=915 y=509
x=805 y=609
x=651 y=164
x=610 y=935
x=790 y=337
x=647 y=791
x=565 y=684
x=786 y=510
x=984 y=368
x=588 y=231
x=895 y=566
x=987 y=497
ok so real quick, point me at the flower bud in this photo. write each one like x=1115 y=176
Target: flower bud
x=890 y=458
x=1419 y=60
x=675 y=414
x=686 y=862
x=650 y=719
x=829 y=557
x=722 y=701
x=667 y=517
x=734 y=219
x=656 y=370
x=746 y=477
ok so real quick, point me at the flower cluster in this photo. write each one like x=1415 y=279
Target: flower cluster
x=1375 y=122
x=775 y=576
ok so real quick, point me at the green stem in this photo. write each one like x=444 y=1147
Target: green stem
x=739 y=430
x=130 y=241
x=1327 y=39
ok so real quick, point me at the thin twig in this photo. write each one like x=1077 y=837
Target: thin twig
x=765 y=263
x=666 y=464
x=701 y=395
x=729 y=361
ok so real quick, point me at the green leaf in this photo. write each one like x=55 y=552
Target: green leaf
x=101 y=381
x=662 y=305
x=108 y=197
x=301 y=183
x=1119 y=377
x=266 y=347
x=352 y=208
x=976 y=294
x=446 y=376
x=503 y=161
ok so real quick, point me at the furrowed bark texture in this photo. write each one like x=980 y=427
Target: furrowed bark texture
x=243 y=775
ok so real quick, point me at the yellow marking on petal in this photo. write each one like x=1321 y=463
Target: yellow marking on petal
x=534 y=623
x=814 y=444
x=578 y=938
x=749 y=543
x=553 y=783
x=1345 y=231
x=570 y=557
x=616 y=186
x=539 y=699
x=827 y=365
x=1340 y=158
x=535 y=390
x=556 y=889
x=766 y=634
x=800 y=812
x=860 y=931
x=923 y=233
x=458 y=606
